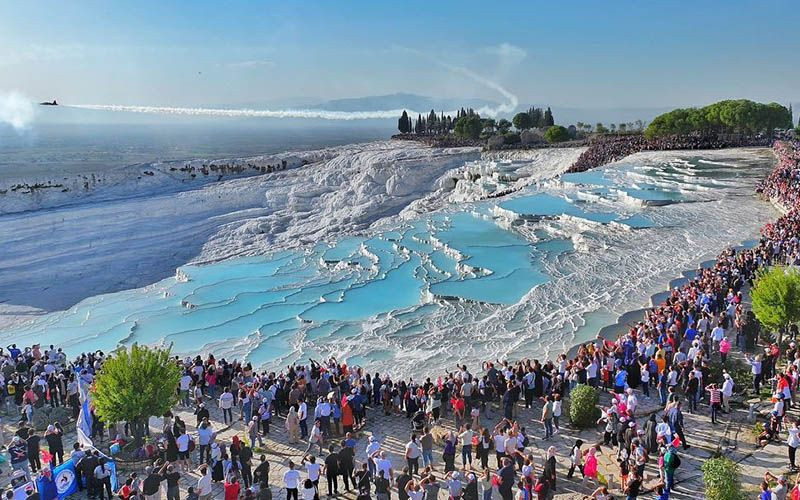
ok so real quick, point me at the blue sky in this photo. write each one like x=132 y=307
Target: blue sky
x=584 y=54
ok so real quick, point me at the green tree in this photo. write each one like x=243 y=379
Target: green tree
x=469 y=126
x=776 y=298
x=134 y=385
x=600 y=128
x=503 y=125
x=522 y=121
x=556 y=133
x=583 y=410
x=723 y=479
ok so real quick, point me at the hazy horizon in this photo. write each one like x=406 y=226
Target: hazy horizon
x=599 y=56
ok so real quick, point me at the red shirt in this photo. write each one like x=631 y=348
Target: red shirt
x=232 y=491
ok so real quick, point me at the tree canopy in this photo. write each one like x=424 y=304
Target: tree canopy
x=135 y=384
x=522 y=121
x=730 y=116
x=776 y=298
x=556 y=133
x=469 y=126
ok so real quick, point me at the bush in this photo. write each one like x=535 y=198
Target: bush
x=135 y=384
x=511 y=138
x=723 y=479
x=738 y=370
x=556 y=133
x=583 y=411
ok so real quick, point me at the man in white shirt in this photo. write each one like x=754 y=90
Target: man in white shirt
x=313 y=469
x=727 y=392
x=499 y=447
x=185 y=383
x=302 y=415
x=183 y=450
x=203 y=489
x=373 y=449
x=315 y=438
x=225 y=404
x=413 y=452
x=325 y=409
x=716 y=336
x=385 y=465
x=291 y=480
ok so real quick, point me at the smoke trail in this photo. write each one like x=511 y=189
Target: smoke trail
x=510 y=104
x=16 y=110
x=511 y=100
x=256 y=113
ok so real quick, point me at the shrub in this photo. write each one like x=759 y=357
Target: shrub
x=583 y=411
x=723 y=479
x=739 y=372
x=511 y=138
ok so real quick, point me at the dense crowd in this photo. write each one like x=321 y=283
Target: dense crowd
x=667 y=356
x=609 y=149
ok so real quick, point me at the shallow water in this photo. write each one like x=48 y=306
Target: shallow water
x=528 y=275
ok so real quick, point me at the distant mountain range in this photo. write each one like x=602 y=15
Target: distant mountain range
x=402 y=101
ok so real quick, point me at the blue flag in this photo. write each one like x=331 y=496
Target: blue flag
x=84 y=425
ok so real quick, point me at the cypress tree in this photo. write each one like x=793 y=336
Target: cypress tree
x=548 y=118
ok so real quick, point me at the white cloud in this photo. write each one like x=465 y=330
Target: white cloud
x=252 y=64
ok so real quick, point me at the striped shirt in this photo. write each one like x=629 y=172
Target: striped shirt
x=716 y=396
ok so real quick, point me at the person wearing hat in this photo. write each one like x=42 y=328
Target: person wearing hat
x=18 y=453
x=727 y=391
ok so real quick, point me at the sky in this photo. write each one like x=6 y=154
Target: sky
x=580 y=53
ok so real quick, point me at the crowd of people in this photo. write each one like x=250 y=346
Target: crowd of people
x=609 y=149
x=453 y=444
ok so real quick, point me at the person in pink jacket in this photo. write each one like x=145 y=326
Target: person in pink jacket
x=724 y=348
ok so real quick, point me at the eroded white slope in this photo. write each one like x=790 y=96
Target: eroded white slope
x=54 y=257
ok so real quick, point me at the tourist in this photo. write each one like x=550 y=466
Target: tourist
x=590 y=467
x=226 y=405
x=102 y=476
x=291 y=481
x=671 y=463
x=308 y=492
x=465 y=437
x=331 y=471
x=715 y=396
x=18 y=453
x=575 y=459
x=293 y=425
x=727 y=392
x=792 y=442
x=203 y=488
x=549 y=472
x=55 y=445
x=547 y=417
x=413 y=454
